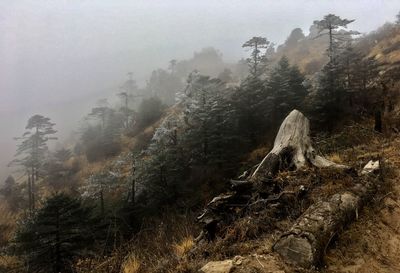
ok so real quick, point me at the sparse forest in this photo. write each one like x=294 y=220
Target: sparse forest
x=211 y=162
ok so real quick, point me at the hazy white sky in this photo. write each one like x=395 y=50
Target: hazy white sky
x=55 y=49
x=52 y=51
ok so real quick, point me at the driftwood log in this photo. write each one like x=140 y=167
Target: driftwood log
x=292 y=149
x=305 y=243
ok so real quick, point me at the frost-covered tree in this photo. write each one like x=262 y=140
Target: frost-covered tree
x=161 y=170
x=209 y=118
x=99 y=184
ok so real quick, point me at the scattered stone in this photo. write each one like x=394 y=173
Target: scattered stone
x=238 y=260
x=371 y=166
x=218 y=267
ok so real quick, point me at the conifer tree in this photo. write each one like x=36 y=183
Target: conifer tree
x=330 y=25
x=286 y=89
x=52 y=239
x=331 y=91
x=32 y=149
x=256 y=62
x=12 y=193
x=98 y=184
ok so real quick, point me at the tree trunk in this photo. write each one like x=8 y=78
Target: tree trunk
x=292 y=149
x=305 y=243
x=378 y=121
x=133 y=190
x=33 y=189
x=29 y=193
x=58 y=244
x=102 y=202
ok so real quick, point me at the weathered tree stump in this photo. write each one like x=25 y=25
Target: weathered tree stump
x=305 y=243
x=292 y=149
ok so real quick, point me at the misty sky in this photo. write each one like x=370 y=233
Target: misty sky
x=55 y=54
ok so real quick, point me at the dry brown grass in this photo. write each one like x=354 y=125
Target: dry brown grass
x=132 y=264
x=335 y=157
x=183 y=247
x=8 y=263
x=8 y=222
x=161 y=246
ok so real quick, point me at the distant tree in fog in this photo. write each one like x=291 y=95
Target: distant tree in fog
x=208 y=61
x=330 y=25
x=150 y=110
x=12 y=194
x=164 y=84
x=101 y=140
x=226 y=75
x=32 y=149
x=295 y=36
x=258 y=46
x=331 y=90
x=172 y=66
x=101 y=112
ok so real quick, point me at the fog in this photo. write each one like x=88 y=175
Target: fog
x=58 y=57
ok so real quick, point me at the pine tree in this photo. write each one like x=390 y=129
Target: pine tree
x=358 y=73
x=287 y=91
x=56 y=235
x=252 y=107
x=162 y=169
x=99 y=184
x=100 y=140
x=57 y=173
x=164 y=84
x=331 y=95
x=33 y=148
x=330 y=25
x=209 y=117
x=12 y=193
x=257 y=60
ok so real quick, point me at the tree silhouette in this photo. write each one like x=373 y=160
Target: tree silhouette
x=258 y=45
x=32 y=149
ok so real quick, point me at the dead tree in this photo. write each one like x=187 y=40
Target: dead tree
x=305 y=243
x=292 y=149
